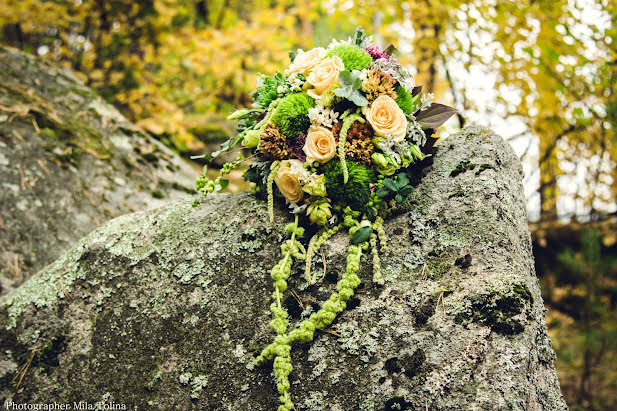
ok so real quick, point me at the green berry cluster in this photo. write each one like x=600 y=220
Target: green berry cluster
x=205 y=186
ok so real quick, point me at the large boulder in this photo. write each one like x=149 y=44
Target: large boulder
x=68 y=163
x=169 y=307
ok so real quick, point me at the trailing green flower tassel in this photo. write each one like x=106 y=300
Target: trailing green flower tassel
x=377 y=277
x=341 y=142
x=280 y=272
x=304 y=332
x=314 y=245
x=274 y=168
x=381 y=233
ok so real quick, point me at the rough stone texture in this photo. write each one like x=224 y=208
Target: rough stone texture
x=169 y=307
x=68 y=163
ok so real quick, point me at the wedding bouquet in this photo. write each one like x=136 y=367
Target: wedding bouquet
x=338 y=136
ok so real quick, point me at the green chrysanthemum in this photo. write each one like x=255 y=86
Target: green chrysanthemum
x=404 y=100
x=291 y=115
x=353 y=57
x=356 y=192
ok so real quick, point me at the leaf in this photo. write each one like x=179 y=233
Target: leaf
x=435 y=115
x=382 y=192
x=358 y=99
x=401 y=180
x=228 y=145
x=362 y=235
x=224 y=183
x=350 y=84
x=360 y=36
x=405 y=191
x=292 y=56
x=242 y=113
x=207 y=156
x=252 y=175
x=390 y=185
x=390 y=50
x=345 y=78
x=371 y=214
x=343 y=91
x=399 y=198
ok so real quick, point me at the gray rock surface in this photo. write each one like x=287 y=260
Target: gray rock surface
x=169 y=307
x=68 y=163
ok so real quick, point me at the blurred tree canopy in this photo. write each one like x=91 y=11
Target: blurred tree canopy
x=177 y=66
x=546 y=67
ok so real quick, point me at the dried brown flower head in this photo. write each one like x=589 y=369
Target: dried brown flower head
x=378 y=84
x=272 y=144
x=358 y=145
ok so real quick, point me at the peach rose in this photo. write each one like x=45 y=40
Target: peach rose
x=320 y=144
x=387 y=118
x=324 y=75
x=287 y=181
x=306 y=60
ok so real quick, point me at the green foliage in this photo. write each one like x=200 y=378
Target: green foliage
x=405 y=100
x=205 y=186
x=583 y=318
x=398 y=189
x=363 y=234
x=356 y=192
x=350 y=88
x=291 y=116
x=267 y=93
x=353 y=57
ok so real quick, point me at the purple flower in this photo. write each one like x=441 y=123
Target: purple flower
x=297 y=147
x=376 y=52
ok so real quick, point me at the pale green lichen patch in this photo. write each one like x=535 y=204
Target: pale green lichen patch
x=44 y=290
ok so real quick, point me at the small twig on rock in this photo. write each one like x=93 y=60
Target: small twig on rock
x=323 y=258
x=331 y=332
x=96 y=155
x=14 y=267
x=22 y=177
x=424 y=273
x=35 y=125
x=19 y=136
x=64 y=291
x=442 y=303
x=23 y=370
x=43 y=165
x=297 y=297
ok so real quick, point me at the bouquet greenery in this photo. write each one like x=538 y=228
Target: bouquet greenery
x=340 y=136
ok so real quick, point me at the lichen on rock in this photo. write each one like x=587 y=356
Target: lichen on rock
x=68 y=163
x=169 y=307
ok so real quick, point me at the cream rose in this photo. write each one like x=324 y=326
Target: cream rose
x=287 y=181
x=306 y=60
x=320 y=144
x=324 y=76
x=387 y=118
